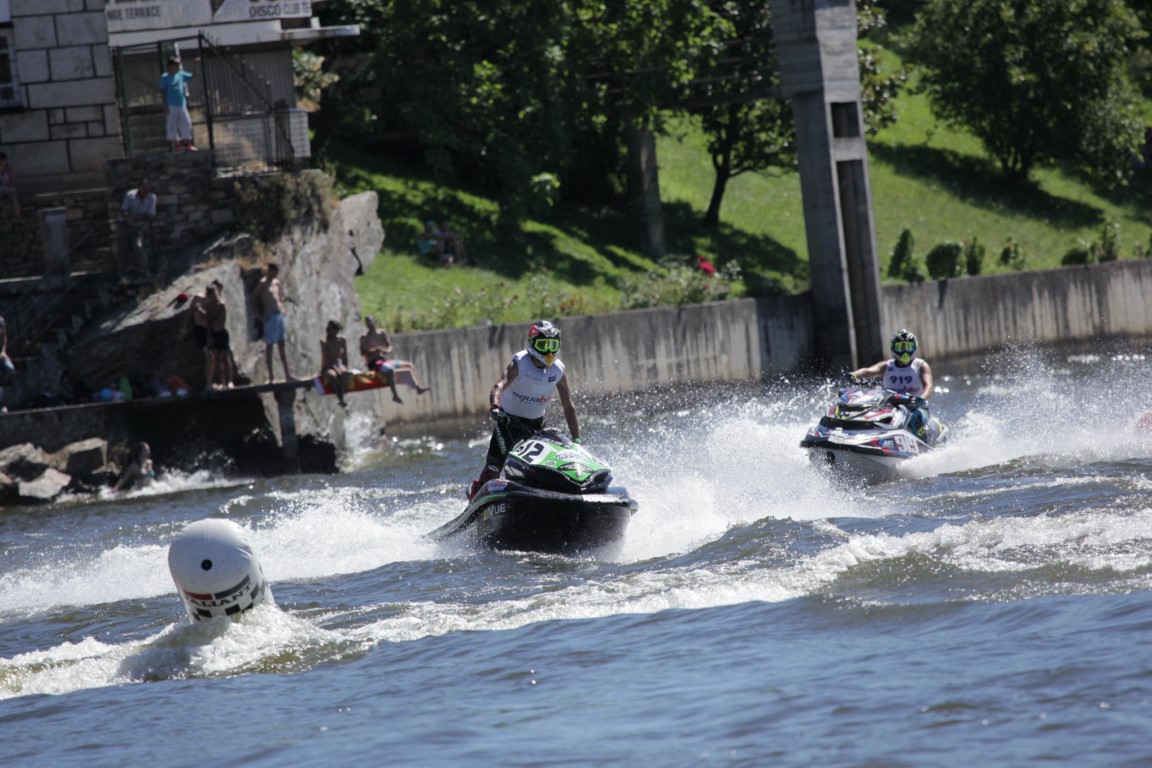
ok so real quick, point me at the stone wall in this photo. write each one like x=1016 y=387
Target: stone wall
x=192 y=202
x=69 y=124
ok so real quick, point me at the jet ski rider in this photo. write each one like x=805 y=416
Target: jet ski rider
x=907 y=375
x=534 y=376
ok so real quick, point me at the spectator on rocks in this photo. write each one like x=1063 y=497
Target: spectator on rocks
x=221 y=340
x=196 y=324
x=334 y=361
x=376 y=348
x=135 y=218
x=268 y=299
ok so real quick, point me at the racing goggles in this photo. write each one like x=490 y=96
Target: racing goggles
x=546 y=346
x=902 y=347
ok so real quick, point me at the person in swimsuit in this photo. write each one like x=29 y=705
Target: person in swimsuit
x=376 y=349
x=334 y=361
x=141 y=472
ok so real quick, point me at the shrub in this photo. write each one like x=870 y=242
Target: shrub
x=902 y=263
x=677 y=281
x=266 y=205
x=943 y=261
x=974 y=257
x=1012 y=256
x=1109 y=247
x=1081 y=254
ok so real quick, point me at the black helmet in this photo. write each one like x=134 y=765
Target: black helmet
x=904 y=346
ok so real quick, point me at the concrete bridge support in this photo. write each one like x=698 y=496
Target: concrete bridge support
x=816 y=45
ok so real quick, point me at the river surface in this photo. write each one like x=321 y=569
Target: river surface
x=994 y=609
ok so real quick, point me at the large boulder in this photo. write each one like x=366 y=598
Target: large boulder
x=85 y=461
x=318 y=265
x=24 y=461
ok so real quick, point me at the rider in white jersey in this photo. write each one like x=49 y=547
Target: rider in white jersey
x=905 y=374
x=519 y=399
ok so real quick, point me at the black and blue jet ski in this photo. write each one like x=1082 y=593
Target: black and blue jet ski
x=868 y=433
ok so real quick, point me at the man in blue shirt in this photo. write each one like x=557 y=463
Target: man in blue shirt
x=174 y=84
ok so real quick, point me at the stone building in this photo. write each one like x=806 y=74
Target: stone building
x=79 y=89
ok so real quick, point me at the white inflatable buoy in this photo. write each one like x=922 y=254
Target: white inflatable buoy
x=215 y=570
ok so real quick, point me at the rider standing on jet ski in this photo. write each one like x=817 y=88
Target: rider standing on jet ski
x=907 y=375
x=533 y=378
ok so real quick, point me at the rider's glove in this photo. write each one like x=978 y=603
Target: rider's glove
x=917 y=402
x=576 y=440
x=499 y=416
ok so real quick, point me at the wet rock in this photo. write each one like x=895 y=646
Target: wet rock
x=83 y=460
x=50 y=484
x=24 y=461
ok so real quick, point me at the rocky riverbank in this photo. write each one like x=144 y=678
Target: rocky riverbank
x=54 y=449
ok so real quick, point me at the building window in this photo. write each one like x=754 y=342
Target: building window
x=9 y=85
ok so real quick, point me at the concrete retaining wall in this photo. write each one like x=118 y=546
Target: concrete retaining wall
x=626 y=352
x=971 y=315
x=749 y=339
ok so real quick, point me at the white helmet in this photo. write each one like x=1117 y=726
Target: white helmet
x=544 y=341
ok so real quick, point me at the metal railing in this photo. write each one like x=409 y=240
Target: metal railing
x=231 y=102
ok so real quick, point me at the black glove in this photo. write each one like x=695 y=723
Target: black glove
x=499 y=416
x=917 y=402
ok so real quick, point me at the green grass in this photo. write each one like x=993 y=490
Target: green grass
x=925 y=177
x=936 y=182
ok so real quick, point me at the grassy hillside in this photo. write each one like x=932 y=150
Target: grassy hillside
x=925 y=176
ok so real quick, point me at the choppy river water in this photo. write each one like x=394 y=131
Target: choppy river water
x=995 y=609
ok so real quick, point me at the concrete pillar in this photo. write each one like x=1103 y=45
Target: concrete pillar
x=819 y=70
x=644 y=189
x=54 y=235
x=286 y=404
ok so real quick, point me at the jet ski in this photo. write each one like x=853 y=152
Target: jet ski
x=866 y=433
x=554 y=496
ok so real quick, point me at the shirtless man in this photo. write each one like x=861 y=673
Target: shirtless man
x=217 y=314
x=196 y=322
x=376 y=347
x=269 y=303
x=334 y=361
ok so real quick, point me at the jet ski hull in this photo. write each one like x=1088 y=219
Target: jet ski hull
x=851 y=463
x=508 y=516
x=866 y=437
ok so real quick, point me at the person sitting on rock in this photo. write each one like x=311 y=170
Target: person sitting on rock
x=334 y=361
x=376 y=347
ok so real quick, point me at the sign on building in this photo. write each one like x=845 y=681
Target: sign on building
x=137 y=15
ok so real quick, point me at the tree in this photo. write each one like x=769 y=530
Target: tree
x=504 y=91
x=748 y=126
x=1034 y=80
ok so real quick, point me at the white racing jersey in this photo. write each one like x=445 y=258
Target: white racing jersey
x=905 y=380
x=533 y=387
